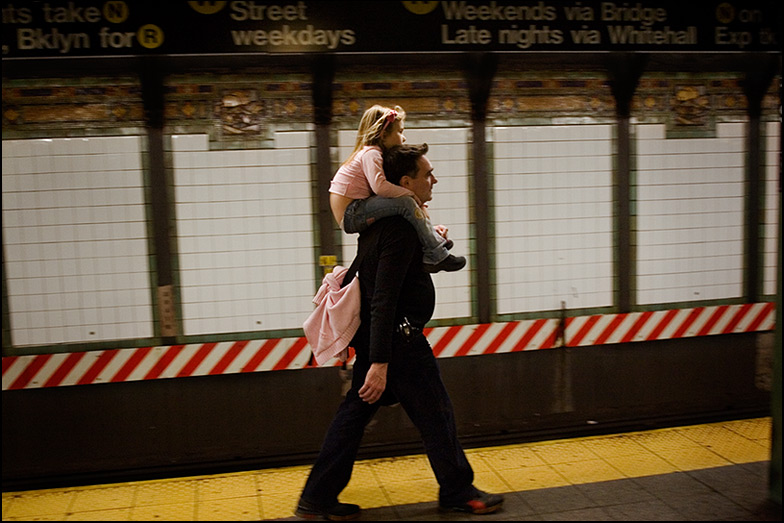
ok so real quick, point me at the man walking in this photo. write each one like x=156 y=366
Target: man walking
x=395 y=363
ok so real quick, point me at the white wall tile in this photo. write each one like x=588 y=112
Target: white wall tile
x=63 y=193
x=772 y=213
x=689 y=205
x=235 y=206
x=549 y=216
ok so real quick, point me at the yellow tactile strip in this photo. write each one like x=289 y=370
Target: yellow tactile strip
x=273 y=493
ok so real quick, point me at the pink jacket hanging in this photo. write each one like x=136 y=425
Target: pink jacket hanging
x=333 y=323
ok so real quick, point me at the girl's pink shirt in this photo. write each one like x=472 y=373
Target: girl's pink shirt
x=364 y=176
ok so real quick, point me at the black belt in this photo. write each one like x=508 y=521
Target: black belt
x=406 y=329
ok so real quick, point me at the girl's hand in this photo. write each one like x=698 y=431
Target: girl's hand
x=441 y=230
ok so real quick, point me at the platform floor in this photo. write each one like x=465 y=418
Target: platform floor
x=715 y=471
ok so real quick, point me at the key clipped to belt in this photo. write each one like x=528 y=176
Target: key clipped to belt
x=409 y=331
x=405 y=328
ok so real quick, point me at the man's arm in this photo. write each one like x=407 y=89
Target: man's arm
x=397 y=247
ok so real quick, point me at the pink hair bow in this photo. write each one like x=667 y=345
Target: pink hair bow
x=391 y=117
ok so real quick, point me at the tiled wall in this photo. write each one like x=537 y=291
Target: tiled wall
x=553 y=217
x=689 y=211
x=244 y=234
x=772 y=211
x=75 y=240
x=448 y=152
x=76 y=232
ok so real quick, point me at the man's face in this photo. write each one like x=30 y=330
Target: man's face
x=422 y=184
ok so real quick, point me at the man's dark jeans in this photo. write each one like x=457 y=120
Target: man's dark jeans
x=413 y=377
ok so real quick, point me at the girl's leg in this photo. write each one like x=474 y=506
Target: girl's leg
x=360 y=214
x=354 y=219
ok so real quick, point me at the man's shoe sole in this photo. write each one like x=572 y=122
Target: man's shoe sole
x=473 y=510
x=452 y=264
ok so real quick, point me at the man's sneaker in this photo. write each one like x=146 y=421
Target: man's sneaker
x=337 y=512
x=482 y=503
x=449 y=244
x=449 y=264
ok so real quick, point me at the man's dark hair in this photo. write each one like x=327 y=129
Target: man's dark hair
x=401 y=160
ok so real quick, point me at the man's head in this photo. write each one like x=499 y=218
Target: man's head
x=407 y=166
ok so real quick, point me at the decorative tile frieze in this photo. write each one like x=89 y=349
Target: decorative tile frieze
x=63 y=107
x=514 y=98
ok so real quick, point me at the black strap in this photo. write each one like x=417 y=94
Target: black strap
x=352 y=270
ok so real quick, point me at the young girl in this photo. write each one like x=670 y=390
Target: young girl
x=360 y=194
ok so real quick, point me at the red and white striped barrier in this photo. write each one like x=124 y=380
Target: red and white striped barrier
x=663 y=325
x=206 y=359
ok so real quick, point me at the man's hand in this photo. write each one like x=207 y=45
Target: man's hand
x=375 y=383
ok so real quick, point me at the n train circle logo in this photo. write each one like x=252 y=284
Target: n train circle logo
x=420 y=8
x=115 y=12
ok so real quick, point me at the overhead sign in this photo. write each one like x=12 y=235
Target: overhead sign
x=37 y=29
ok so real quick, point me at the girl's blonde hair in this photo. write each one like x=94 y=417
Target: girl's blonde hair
x=375 y=123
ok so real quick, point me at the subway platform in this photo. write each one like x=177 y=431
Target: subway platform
x=709 y=472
